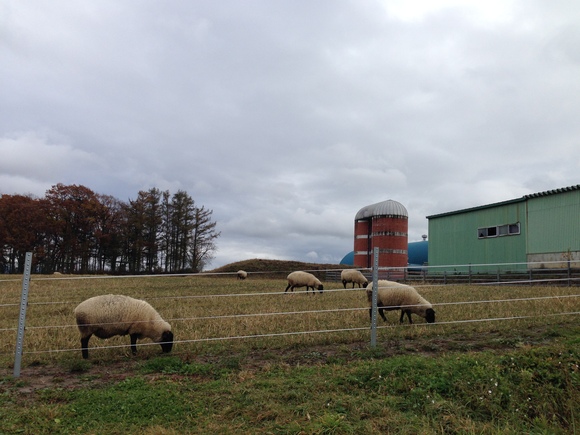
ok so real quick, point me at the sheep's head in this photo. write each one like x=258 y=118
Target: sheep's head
x=320 y=288
x=430 y=315
x=166 y=341
x=365 y=284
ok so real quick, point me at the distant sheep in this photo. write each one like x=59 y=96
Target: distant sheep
x=303 y=279
x=108 y=315
x=354 y=276
x=242 y=274
x=394 y=296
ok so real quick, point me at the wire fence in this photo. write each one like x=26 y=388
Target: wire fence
x=422 y=282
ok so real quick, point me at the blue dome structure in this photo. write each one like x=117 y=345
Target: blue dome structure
x=418 y=255
x=348 y=259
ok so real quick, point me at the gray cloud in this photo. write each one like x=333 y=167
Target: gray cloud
x=286 y=118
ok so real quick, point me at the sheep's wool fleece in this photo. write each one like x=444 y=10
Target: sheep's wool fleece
x=119 y=315
x=353 y=275
x=301 y=279
x=394 y=294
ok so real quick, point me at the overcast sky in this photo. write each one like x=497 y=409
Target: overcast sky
x=287 y=117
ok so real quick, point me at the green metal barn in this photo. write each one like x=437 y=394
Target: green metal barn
x=536 y=231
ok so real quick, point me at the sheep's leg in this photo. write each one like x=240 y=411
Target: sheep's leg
x=134 y=343
x=382 y=313
x=85 y=346
x=402 y=319
x=289 y=285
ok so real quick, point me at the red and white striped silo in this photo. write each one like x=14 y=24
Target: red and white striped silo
x=384 y=225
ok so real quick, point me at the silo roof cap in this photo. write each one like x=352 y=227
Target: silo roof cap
x=384 y=208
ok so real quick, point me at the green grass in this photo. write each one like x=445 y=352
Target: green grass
x=531 y=390
x=489 y=377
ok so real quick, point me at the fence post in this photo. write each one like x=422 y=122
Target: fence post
x=22 y=317
x=374 y=298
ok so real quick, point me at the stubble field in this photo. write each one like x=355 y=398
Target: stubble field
x=248 y=358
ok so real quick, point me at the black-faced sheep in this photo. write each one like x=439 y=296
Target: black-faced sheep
x=396 y=296
x=108 y=315
x=303 y=279
x=354 y=276
x=242 y=274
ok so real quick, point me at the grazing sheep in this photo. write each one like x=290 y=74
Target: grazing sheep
x=303 y=279
x=394 y=296
x=108 y=315
x=242 y=274
x=354 y=276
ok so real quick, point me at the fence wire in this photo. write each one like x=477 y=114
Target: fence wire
x=293 y=333
x=298 y=313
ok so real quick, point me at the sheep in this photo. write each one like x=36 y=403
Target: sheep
x=303 y=279
x=242 y=274
x=354 y=276
x=108 y=315
x=393 y=296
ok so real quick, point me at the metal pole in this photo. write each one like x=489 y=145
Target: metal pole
x=374 y=299
x=22 y=317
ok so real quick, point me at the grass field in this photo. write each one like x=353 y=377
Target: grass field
x=499 y=359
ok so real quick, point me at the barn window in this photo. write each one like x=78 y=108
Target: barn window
x=499 y=230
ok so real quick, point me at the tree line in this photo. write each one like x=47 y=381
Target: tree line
x=75 y=230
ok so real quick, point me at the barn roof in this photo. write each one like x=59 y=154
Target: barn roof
x=511 y=201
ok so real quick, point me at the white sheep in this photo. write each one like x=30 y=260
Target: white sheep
x=394 y=296
x=354 y=276
x=303 y=279
x=108 y=315
x=242 y=274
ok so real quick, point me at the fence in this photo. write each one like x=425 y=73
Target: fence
x=528 y=273
x=448 y=300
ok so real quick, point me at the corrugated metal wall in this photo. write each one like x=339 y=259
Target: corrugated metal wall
x=453 y=238
x=549 y=228
x=553 y=226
